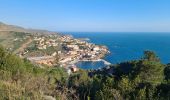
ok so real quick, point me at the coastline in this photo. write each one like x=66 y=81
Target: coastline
x=98 y=60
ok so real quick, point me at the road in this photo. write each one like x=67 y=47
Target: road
x=23 y=46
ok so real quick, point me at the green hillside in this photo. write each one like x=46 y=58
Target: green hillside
x=13 y=40
x=20 y=80
x=19 y=40
x=144 y=79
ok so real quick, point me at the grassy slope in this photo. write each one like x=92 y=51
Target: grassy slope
x=7 y=39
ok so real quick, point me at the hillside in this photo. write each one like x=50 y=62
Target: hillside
x=17 y=39
x=13 y=40
x=144 y=79
x=6 y=27
x=37 y=47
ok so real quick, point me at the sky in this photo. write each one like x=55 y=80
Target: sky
x=88 y=15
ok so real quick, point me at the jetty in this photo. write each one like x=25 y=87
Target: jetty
x=105 y=62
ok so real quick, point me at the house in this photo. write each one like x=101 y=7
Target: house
x=47 y=60
x=74 y=69
x=73 y=52
x=96 y=48
x=65 y=60
x=75 y=47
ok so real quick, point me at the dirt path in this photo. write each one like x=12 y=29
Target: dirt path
x=23 y=46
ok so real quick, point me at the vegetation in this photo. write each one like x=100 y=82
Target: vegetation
x=144 y=79
x=13 y=40
x=20 y=80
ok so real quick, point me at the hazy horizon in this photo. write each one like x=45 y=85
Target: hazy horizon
x=88 y=15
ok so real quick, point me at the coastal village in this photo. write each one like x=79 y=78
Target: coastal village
x=61 y=50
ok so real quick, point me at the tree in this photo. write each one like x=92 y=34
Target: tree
x=125 y=86
x=149 y=69
x=150 y=72
x=150 y=56
x=108 y=93
x=2 y=56
x=167 y=72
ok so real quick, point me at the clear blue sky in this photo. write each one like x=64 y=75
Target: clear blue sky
x=88 y=15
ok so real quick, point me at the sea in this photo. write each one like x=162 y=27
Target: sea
x=126 y=46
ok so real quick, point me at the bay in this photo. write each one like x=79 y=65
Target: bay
x=126 y=46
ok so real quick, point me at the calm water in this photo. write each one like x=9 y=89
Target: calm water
x=127 y=46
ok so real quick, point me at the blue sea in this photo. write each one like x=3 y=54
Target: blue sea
x=126 y=46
